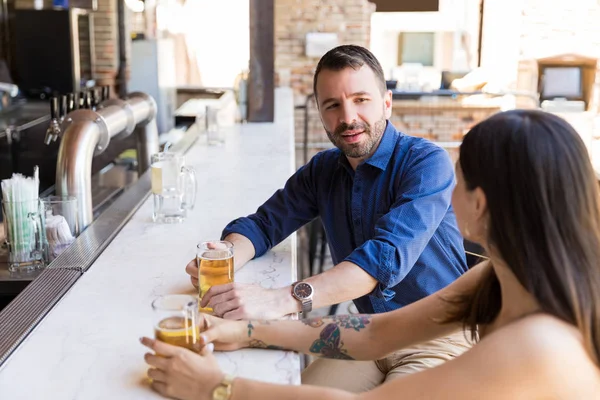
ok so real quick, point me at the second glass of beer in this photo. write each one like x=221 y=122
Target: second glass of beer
x=215 y=265
x=177 y=320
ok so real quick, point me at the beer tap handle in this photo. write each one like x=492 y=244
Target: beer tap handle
x=53 y=130
x=105 y=92
x=63 y=107
x=88 y=100
x=96 y=100
x=81 y=99
x=70 y=102
x=54 y=108
x=76 y=101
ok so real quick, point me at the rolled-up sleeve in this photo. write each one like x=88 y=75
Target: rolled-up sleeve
x=422 y=200
x=285 y=212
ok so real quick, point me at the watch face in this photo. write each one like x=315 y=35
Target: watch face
x=303 y=290
x=220 y=393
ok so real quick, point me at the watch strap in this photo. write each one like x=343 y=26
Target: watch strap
x=225 y=384
x=306 y=306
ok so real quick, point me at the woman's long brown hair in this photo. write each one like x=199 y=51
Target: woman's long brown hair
x=544 y=218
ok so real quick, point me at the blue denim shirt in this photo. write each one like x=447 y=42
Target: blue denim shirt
x=392 y=217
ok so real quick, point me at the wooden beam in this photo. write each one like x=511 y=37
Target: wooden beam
x=406 y=5
x=261 y=79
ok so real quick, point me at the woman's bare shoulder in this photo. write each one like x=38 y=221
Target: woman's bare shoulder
x=537 y=357
x=553 y=350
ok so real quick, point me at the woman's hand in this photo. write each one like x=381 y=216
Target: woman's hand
x=180 y=373
x=226 y=335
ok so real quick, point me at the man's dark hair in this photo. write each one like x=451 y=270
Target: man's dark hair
x=349 y=56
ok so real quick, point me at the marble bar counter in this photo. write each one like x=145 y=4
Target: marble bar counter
x=86 y=346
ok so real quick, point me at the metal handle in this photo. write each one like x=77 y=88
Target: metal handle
x=54 y=108
x=105 y=93
x=70 y=102
x=190 y=187
x=63 y=110
x=88 y=100
x=98 y=96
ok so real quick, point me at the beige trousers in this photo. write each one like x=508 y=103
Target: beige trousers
x=361 y=376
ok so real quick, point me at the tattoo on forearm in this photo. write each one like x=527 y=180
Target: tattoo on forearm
x=329 y=344
x=356 y=322
x=313 y=322
x=259 y=344
x=250 y=328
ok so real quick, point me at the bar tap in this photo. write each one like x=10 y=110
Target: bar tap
x=53 y=131
x=88 y=100
x=71 y=102
x=96 y=98
x=63 y=110
x=105 y=92
x=75 y=101
x=88 y=132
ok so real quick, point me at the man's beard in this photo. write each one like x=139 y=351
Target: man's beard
x=363 y=148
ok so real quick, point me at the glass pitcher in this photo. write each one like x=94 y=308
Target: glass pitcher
x=173 y=187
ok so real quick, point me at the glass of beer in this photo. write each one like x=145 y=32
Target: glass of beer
x=215 y=265
x=177 y=320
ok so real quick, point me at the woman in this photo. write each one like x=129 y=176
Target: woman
x=526 y=192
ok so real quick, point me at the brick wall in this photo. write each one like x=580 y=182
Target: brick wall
x=539 y=28
x=554 y=27
x=106 y=42
x=551 y=27
x=350 y=19
x=442 y=120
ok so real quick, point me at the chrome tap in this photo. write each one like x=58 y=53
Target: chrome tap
x=53 y=131
x=71 y=103
x=88 y=132
x=81 y=100
x=63 y=109
x=89 y=100
x=105 y=93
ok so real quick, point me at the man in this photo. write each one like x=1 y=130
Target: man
x=384 y=201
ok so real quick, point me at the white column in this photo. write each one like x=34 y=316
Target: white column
x=501 y=36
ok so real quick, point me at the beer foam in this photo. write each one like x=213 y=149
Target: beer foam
x=173 y=324
x=216 y=255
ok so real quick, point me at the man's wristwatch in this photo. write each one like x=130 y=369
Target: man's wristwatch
x=224 y=389
x=303 y=292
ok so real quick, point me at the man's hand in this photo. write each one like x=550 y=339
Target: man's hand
x=243 y=251
x=247 y=301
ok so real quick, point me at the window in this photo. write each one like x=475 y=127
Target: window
x=416 y=47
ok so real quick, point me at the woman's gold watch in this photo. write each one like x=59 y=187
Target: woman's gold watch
x=224 y=389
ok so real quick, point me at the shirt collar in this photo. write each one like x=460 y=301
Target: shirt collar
x=382 y=155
